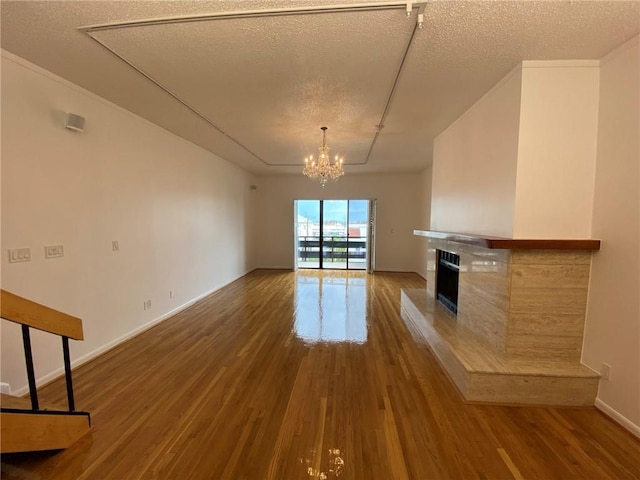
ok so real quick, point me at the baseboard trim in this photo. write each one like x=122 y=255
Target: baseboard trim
x=618 y=417
x=390 y=270
x=59 y=372
x=288 y=269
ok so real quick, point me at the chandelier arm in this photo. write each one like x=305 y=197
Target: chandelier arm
x=323 y=170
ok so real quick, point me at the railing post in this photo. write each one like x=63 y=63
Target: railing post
x=31 y=374
x=67 y=373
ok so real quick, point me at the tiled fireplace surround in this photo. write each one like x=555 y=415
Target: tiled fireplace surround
x=517 y=337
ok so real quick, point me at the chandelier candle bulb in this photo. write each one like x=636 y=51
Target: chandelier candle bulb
x=323 y=171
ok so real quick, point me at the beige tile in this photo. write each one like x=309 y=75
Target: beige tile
x=548 y=301
x=517 y=337
x=484 y=319
x=546 y=324
x=492 y=286
x=434 y=244
x=550 y=276
x=483 y=376
x=431 y=284
x=550 y=257
x=552 y=347
x=420 y=323
x=458 y=248
x=431 y=272
x=467 y=345
x=534 y=390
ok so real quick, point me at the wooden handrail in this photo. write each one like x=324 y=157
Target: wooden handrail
x=26 y=312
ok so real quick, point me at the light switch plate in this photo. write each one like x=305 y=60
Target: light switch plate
x=19 y=255
x=53 y=251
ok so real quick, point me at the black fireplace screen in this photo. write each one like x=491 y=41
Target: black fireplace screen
x=448 y=271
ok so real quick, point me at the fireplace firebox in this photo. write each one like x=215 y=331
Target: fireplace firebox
x=448 y=272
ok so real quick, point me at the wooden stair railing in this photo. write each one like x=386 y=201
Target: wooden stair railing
x=30 y=314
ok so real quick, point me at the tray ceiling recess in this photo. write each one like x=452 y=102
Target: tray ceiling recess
x=268 y=79
x=254 y=80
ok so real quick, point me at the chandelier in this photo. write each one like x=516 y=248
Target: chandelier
x=322 y=169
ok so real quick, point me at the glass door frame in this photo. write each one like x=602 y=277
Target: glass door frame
x=370 y=236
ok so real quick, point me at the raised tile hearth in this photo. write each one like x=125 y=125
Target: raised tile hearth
x=517 y=336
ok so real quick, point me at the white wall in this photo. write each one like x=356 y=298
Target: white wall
x=424 y=222
x=398 y=213
x=520 y=163
x=612 y=331
x=556 y=149
x=474 y=165
x=181 y=216
x=578 y=176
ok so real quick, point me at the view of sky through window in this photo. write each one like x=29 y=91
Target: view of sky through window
x=334 y=210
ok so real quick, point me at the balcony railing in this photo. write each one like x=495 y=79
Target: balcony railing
x=334 y=248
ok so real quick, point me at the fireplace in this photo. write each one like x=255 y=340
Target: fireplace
x=510 y=341
x=448 y=271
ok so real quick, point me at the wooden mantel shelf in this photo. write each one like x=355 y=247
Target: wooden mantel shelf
x=511 y=243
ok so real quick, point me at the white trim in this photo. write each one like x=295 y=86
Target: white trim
x=287 y=267
x=618 y=417
x=49 y=377
x=306 y=10
x=393 y=270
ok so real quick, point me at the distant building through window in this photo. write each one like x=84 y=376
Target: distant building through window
x=332 y=234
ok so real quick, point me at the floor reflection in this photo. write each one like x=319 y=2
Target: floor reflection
x=332 y=469
x=331 y=306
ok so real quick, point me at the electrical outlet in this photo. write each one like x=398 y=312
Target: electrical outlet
x=115 y=246
x=53 y=251
x=605 y=371
x=171 y=294
x=147 y=305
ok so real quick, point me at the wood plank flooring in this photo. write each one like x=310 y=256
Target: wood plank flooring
x=308 y=375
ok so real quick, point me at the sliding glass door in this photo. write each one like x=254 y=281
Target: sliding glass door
x=308 y=221
x=333 y=234
x=357 y=241
x=335 y=214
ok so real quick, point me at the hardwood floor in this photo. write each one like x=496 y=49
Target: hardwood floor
x=285 y=375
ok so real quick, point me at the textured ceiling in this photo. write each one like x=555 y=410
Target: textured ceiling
x=256 y=89
x=272 y=82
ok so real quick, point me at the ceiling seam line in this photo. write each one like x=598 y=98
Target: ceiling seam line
x=196 y=112
x=177 y=98
x=251 y=14
x=380 y=125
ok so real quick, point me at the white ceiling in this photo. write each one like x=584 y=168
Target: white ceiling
x=255 y=86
